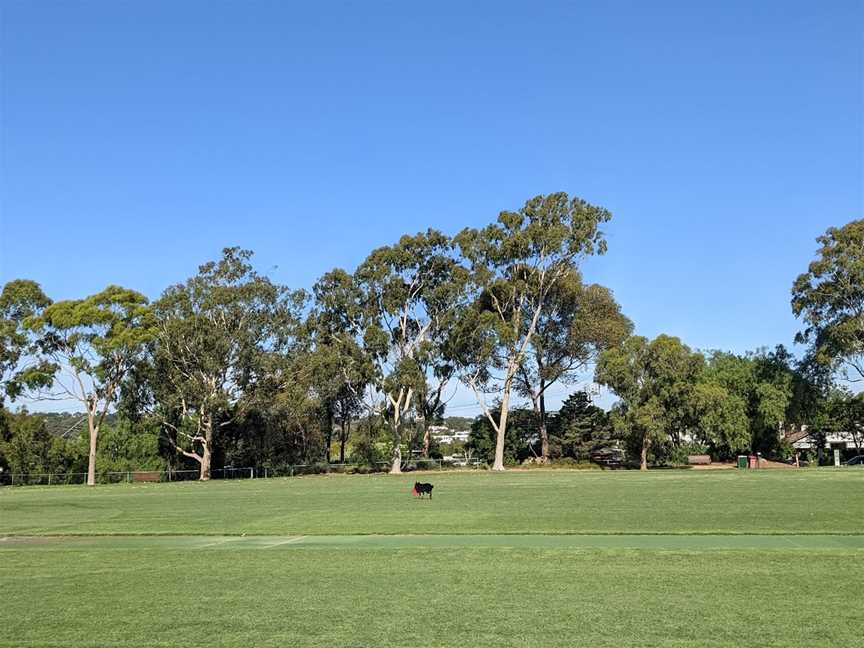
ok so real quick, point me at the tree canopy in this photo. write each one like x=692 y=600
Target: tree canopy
x=829 y=299
x=515 y=264
x=410 y=292
x=220 y=340
x=88 y=347
x=229 y=366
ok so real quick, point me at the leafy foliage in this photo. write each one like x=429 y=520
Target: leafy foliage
x=655 y=381
x=520 y=443
x=221 y=341
x=579 y=428
x=87 y=349
x=410 y=292
x=515 y=264
x=20 y=300
x=829 y=298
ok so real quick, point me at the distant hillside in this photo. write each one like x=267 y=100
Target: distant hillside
x=458 y=422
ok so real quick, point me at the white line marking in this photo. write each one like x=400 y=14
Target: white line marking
x=284 y=542
x=220 y=542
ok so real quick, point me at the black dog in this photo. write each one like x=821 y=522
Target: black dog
x=419 y=489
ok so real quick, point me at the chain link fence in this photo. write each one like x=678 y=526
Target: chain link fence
x=120 y=477
x=263 y=472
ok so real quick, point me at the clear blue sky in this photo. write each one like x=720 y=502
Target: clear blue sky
x=139 y=138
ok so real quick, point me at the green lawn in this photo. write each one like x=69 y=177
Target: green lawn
x=302 y=576
x=419 y=598
x=806 y=501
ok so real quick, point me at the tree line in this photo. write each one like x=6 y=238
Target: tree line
x=230 y=366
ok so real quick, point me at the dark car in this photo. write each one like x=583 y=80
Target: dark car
x=856 y=461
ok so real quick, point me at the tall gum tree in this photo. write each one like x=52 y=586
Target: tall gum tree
x=515 y=264
x=410 y=294
x=339 y=368
x=577 y=323
x=219 y=336
x=88 y=348
x=829 y=299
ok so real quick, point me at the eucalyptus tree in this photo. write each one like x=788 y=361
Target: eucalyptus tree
x=221 y=340
x=19 y=348
x=763 y=384
x=515 y=264
x=829 y=298
x=88 y=347
x=340 y=369
x=410 y=296
x=720 y=419
x=655 y=382
x=577 y=323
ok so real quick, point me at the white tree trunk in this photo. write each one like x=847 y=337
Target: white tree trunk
x=207 y=450
x=396 y=466
x=399 y=407
x=91 y=460
x=502 y=427
x=426 y=440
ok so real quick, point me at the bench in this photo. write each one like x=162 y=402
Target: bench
x=149 y=476
x=699 y=460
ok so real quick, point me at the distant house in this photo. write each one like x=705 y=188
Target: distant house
x=443 y=434
x=802 y=438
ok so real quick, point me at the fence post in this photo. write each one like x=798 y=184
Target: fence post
x=251 y=473
x=13 y=478
x=49 y=479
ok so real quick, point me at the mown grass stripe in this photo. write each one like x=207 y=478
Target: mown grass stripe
x=557 y=541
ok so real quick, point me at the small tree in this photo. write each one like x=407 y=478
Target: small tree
x=579 y=428
x=88 y=348
x=515 y=265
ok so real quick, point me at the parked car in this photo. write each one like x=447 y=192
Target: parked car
x=856 y=461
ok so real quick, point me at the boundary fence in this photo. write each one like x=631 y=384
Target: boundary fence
x=247 y=472
x=119 y=477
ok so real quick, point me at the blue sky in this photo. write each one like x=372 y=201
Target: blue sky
x=138 y=139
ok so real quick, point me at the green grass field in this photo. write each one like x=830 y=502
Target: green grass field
x=543 y=558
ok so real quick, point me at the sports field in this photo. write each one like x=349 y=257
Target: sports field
x=668 y=558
